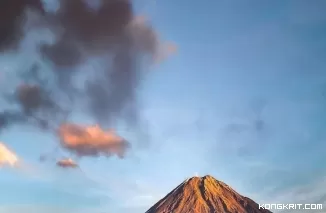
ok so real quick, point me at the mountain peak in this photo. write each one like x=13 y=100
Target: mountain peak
x=205 y=195
x=203 y=178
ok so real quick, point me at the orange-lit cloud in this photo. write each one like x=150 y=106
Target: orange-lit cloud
x=7 y=157
x=91 y=140
x=67 y=163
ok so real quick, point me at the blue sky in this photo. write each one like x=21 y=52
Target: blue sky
x=243 y=100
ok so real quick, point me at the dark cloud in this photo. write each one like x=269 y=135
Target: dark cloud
x=67 y=163
x=96 y=30
x=111 y=33
x=32 y=98
x=10 y=117
x=11 y=17
x=36 y=106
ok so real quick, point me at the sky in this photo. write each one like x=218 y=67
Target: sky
x=242 y=99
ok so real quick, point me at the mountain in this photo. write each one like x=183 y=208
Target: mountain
x=205 y=195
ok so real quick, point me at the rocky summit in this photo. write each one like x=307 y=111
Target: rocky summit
x=205 y=195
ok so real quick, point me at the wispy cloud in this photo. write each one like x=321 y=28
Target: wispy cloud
x=310 y=193
x=7 y=157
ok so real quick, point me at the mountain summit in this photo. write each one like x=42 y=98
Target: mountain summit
x=205 y=195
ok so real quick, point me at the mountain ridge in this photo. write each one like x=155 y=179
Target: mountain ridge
x=205 y=195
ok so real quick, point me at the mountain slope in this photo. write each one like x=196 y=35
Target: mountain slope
x=205 y=195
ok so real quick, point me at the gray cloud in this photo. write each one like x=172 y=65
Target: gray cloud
x=124 y=43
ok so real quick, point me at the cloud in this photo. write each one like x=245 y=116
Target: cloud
x=9 y=117
x=121 y=44
x=310 y=193
x=31 y=98
x=91 y=141
x=67 y=163
x=7 y=157
x=12 y=14
x=147 y=38
x=10 y=159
